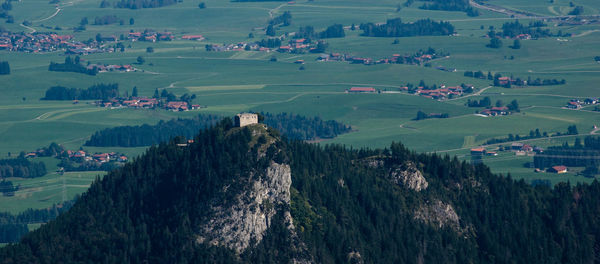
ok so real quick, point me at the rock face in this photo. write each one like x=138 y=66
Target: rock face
x=439 y=214
x=409 y=176
x=249 y=217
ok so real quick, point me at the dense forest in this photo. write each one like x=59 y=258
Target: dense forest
x=293 y=126
x=580 y=154
x=21 y=167
x=4 y=68
x=146 y=135
x=344 y=206
x=305 y=128
x=395 y=28
x=451 y=5
x=138 y=4
x=71 y=65
x=95 y=92
x=13 y=227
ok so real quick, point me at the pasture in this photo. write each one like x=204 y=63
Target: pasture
x=236 y=81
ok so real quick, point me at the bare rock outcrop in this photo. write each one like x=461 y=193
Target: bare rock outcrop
x=409 y=176
x=249 y=217
x=439 y=214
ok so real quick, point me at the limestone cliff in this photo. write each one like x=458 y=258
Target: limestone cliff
x=409 y=176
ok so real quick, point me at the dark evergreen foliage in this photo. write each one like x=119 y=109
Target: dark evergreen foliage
x=451 y=5
x=22 y=168
x=293 y=126
x=333 y=31
x=71 y=65
x=94 y=92
x=4 y=68
x=395 y=28
x=13 y=227
x=138 y=4
x=148 y=211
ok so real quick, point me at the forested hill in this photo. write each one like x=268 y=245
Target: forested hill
x=239 y=195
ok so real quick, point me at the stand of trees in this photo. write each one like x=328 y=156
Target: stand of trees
x=13 y=227
x=534 y=29
x=586 y=154
x=334 y=31
x=149 y=210
x=395 y=28
x=138 y=4
x=285 y=19
x=299 y=127
x=532 y=134
x=21 y=167
x=4 y=68
x=293 y=126
x=422 y=115
x=451 y=5
x=95 y=92
x=146 y=135
x=106 y=20
x=71 y=65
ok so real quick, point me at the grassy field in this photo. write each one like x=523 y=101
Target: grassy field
x=232 y=82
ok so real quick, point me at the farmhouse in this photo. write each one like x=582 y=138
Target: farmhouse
x=245 y=119
x=478 y=151
x=177 y=106
x=558 y=169
x=361 y=90
x=193 y=37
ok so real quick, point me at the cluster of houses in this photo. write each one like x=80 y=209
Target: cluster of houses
x=577 y=103
x=148 y=103
x=150 y=36
x=237 y=47
x=394 y=59
x=35 y=42
x=81 y=156
x=495 y=111
x=111 y=68
x=520 y=149
x=441 y=93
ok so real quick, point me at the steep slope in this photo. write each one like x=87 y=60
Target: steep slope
x=239 y=195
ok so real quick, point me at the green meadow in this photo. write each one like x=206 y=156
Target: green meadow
x=236 y=81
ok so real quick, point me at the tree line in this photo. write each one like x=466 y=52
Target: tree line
x=580 y=154
x=71 y=65
x=13 y=227
x=139 y=4
x=95 y=92
x=571 y=130
x=395 y=28
x=21 y=167
x=450 y=5
x=4 y=68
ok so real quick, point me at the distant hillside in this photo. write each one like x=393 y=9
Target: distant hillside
x=244 y=195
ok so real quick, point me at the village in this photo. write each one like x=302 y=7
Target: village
x=80 y=159
x=519 y=149
x=440 y=93
x=148 y=103
x=578 y=103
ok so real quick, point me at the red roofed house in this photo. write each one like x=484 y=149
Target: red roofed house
x=177 y=106
x=478 y=151
x=558 y=169
x=362 y=90
x=193 y=37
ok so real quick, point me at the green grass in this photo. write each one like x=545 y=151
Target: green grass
x=232 y=82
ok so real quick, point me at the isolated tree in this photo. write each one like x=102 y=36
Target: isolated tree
x=131 y=21
x=516 y=44
x=4 y=68
x=495 y=43
x=84 y=21
x=202 y=5
x=134 y=92
x=513 y=106
x=149 y=49
x=140 y=60
x=270 y=31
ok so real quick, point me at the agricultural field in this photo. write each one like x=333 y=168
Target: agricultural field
x=230 y=82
